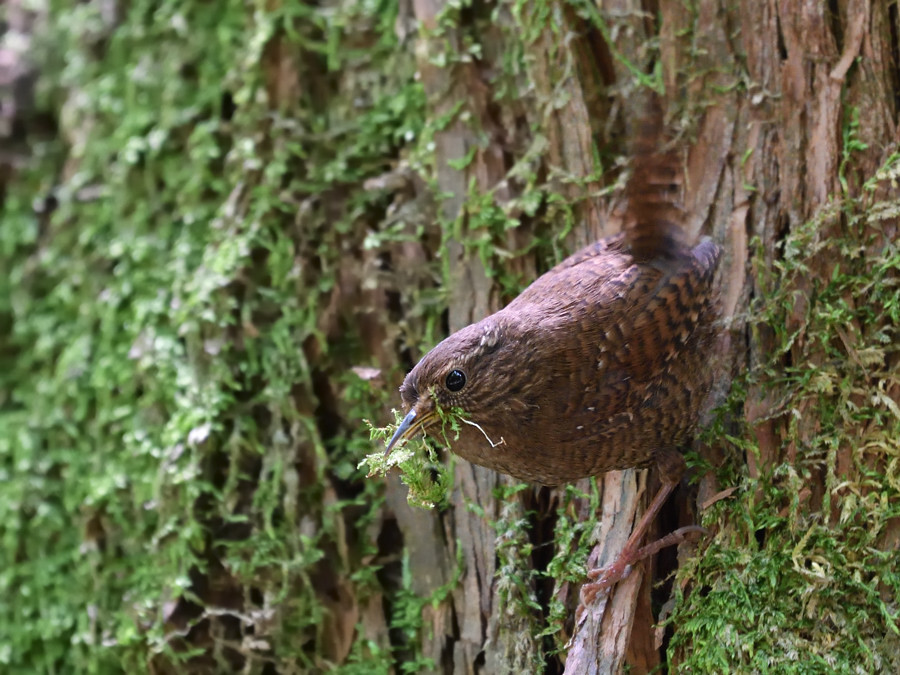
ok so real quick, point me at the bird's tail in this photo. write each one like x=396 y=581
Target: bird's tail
x=654 y=219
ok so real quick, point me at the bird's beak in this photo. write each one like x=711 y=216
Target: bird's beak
x=409 y=427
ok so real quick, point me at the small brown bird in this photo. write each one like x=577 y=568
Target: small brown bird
x=602 y=363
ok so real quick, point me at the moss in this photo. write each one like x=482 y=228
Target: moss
x=800 y=577
x=170 y=435
x=179 y=437
x=429 y=480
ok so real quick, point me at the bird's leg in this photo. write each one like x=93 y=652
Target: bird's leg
x=604 y=578
x=671 y=465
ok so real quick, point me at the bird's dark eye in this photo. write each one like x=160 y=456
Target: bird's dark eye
x=456 y=380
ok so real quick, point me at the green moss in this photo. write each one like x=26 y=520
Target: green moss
x=429 y=480
x=178 y=418
x=799 y=577
x=163 y=468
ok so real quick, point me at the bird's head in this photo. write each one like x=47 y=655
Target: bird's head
x=472 y=371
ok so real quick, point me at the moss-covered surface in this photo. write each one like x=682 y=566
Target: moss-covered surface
x=803 y=575
x=180 y=433
x=200 y=257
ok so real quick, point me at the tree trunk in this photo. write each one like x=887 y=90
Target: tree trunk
x=246 y=225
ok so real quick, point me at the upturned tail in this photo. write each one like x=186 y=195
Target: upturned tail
x=654 y=219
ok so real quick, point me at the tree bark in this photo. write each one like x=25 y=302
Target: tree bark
x=210 y=289
x=763 y=89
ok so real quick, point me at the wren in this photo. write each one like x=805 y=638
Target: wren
x=602 y=363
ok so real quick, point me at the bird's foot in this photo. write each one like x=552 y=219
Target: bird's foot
x=604 y=578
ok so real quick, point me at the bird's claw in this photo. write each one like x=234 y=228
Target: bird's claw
x=604 y=578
